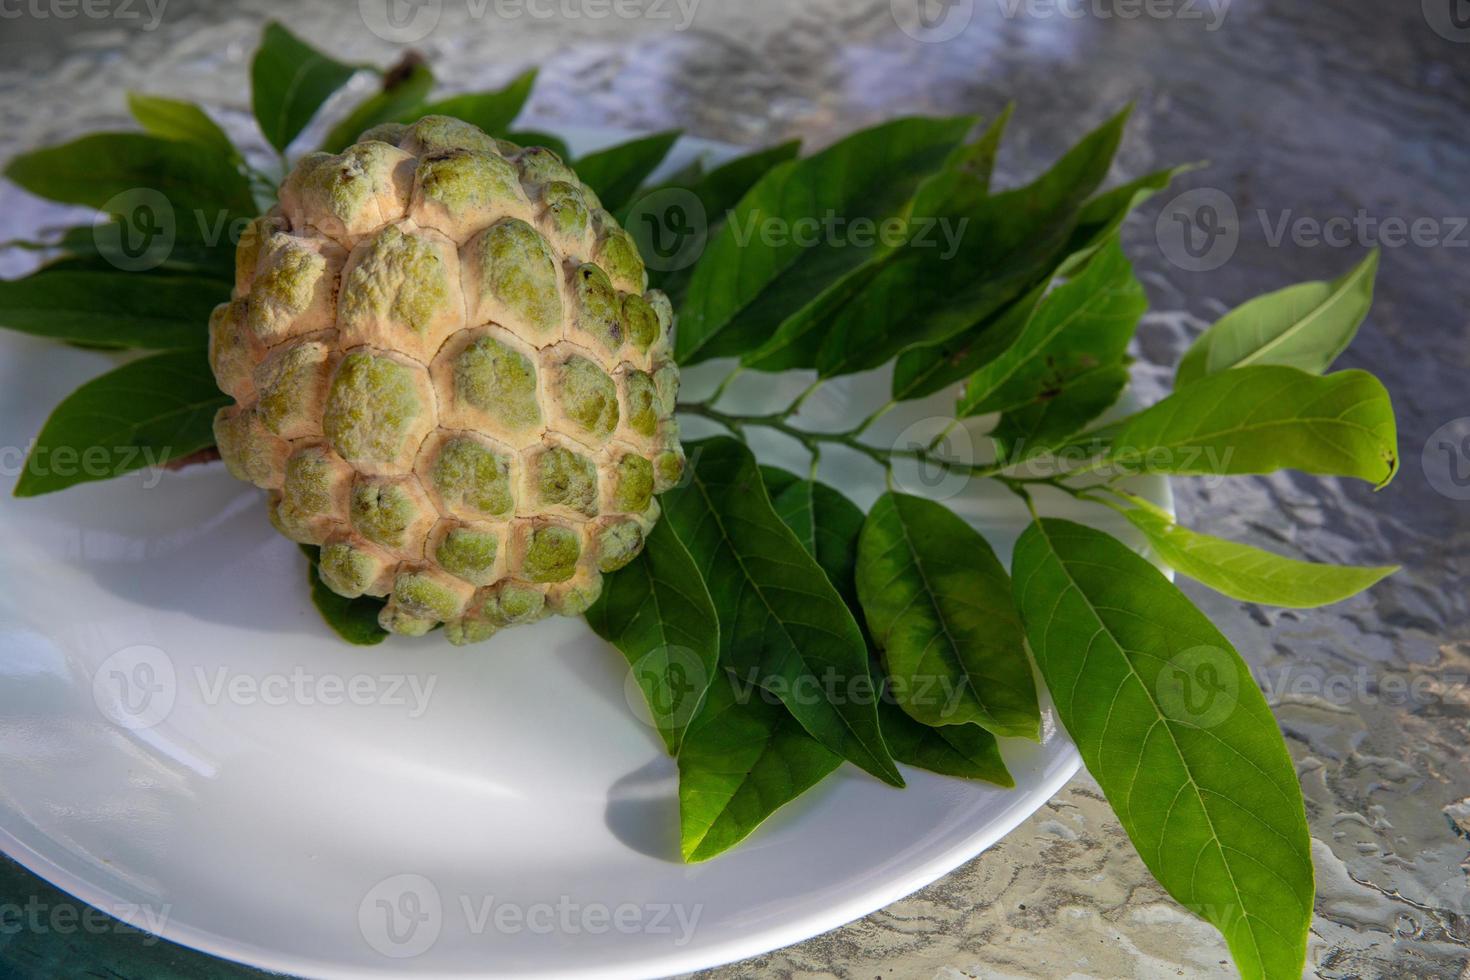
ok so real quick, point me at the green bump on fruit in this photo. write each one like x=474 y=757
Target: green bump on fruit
x=469 y=475
x=640 y=322
x=469 y=554
x=436 y=134
x=389 y=132
x=382 y=512
x=346 y=570
x=565 y=479
x=518 y=269
x=589 y=396
x=290 y=384
x=668 y=469
x=464 y=181
x=617 y=254
x=498 y=380
x=577 y=598
x=401 y=279
x=283 y=289
x=567 y=208
x=617 y=544
x=422 y=596
x=663 y=308
x=345 y=182
x=249 y=451
x=514 y=603
x=634 y=487
x=247 y=249
x=666 y=385
x=538 y=165
x=308 y=492
x=371 y=408
x=469 y=629
x=397 y=620
x=599 y=312
x=551 y=555
x=640 y=403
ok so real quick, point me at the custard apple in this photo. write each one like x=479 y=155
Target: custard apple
x=449 y=374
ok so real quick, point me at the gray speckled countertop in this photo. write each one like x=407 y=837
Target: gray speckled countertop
x=1308 y=110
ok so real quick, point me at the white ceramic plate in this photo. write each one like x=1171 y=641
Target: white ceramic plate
x=185 y=745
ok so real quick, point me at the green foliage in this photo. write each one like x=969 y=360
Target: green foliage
x=1263 y=419
x=144 y=413
x=659 y=615
x=1171 y=724
x=178 y=120
x=354 y=620
x=774 y=628
x=1251 y=574
x=938 y=603
x=1303 y=326
x=289 y=81
x=782 y=624
x=492 y=111
x=616 y=172
x=398 y=98
x=105 y=307
x=756 y=274
x=95 y=169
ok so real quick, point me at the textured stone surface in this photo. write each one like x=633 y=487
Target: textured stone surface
x=1316 y=107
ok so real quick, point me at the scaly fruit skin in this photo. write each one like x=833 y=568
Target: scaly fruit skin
x=448 y=374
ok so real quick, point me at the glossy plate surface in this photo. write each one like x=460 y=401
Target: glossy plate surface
x=185 y=745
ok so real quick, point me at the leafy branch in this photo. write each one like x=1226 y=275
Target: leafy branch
x=775 y=628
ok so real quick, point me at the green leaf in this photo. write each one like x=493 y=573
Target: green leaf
x=289 y=81
x=401 y=95
x=975 y=163
x=530 y=137
x=492 y=111
x=744 y=756
x=1263 y=419
x=95 y=169
x=616 y=172
x=123 y=241
x=782 y=624
x=966 y=751
x=1102 y=216
x=141 y=414
x=178 y=120
x=921 y=371
x=1251 y=574
x=1171 y=724
x=1081 y=325
x=354 y=620
x=828 y=526
x=659 y=615
x=992 y=253
x=1304 y=326
x=1049 y=421
x=122 y=309
x=663 y=231
x=756 y=273
x=939 y=605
